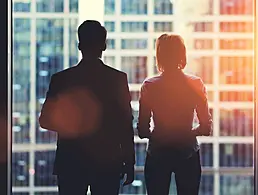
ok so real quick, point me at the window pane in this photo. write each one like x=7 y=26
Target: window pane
x=236 y=70
x=236 y=122
x=202 y=26
x=135 y=120
x=242 y=27
x=202 y=67
x=110 y=61
x=135 y=67
x=111 y=43
x=163 y=7
x=21 y=6
x=236 y=185
x=210 y=96
x=74 y=6
x=154 y=44
x=236 y=7
x=236 y=96
x=73 y=42
x=44 y=162
x=50 y=5
x=207 y=185
x=134 y=43
x=200 y=44
x=163 y=26
x=20 y=169
x=134 y=27
x=236 y=44
x=109 y=7
x=140 y=153
x=236 y=155
x=156 y=72
x=110 y=26
x=21 y=80
x=137 y=187
x=133 y=7
x=49 y=60
x=135 y=95
x=210 y=8
x=206 y=154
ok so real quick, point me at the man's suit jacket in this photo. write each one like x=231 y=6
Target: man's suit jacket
x=111 y=143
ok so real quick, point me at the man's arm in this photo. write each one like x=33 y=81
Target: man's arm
x=47 y=108
x=205 y=120
x=127 y=134
x=143 y=125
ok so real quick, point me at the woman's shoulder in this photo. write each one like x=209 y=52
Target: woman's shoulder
x=192 y=77
x=151 y=80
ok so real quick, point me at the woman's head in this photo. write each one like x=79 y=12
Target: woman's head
x=170 y=53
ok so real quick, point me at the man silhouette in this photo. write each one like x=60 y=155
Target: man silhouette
x=88 y=105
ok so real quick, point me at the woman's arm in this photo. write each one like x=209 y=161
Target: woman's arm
x=205 y=119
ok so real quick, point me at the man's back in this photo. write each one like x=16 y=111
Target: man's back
x=99 y=94
x=89 y=106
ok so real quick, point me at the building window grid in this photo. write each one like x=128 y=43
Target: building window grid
x=30 y=147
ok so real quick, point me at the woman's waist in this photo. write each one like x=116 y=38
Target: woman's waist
x=173 y=138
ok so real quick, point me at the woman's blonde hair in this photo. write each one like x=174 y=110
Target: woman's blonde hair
x=170 y=52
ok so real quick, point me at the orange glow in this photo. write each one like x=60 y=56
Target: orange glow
x=77 y=112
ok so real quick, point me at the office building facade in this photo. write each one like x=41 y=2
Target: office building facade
x=221 y=53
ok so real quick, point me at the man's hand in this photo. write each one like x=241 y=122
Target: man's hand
x=129 y=172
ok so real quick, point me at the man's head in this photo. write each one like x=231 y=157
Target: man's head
x=92 y=37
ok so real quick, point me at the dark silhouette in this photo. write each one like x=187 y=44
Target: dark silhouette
x=89 y=106
x=171 y=99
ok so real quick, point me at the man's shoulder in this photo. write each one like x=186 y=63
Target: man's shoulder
x=64 y=73
x=113 y=71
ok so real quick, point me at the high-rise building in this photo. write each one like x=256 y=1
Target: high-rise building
x=45 y=41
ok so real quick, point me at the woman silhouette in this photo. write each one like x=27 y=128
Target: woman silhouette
x=171 y=99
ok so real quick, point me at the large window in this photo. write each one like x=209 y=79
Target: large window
x=219 y=51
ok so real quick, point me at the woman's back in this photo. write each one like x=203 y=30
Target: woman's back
x=172 y=99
